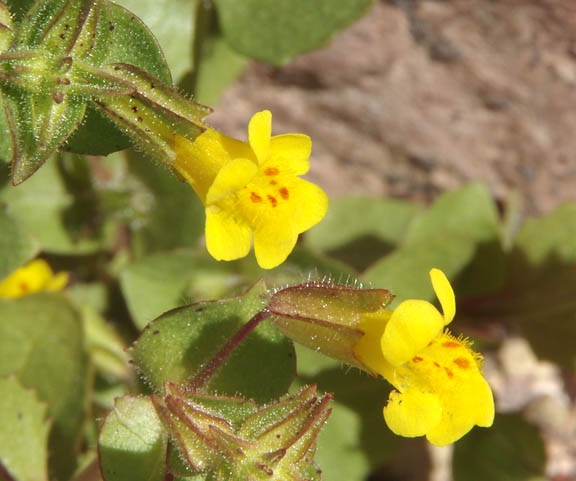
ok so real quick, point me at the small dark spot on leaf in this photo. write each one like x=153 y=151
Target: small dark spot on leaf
x=152 y=86
x=134 y=109
x=66 y=26
x=199 y=309
x=156 y=332
x=62 y=36
x=19 y=416
x=112 y=26
x=139 y=119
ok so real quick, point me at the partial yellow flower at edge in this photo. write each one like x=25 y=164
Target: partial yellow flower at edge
x=440 y=392
x=36 y=276
x=252 y=190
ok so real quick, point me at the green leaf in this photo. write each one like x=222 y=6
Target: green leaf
x=41 y=340
x=24 y=433
x=176 y=218
x=405 y=271
x=460 y=234
x=162 y=281
x=535 y=298
x=469 y=212
x=285 y=27
x=218 y=67
x=172 y=25
x=134 y=44
x=16 y=245
x=60 y=220
x=176 y=346
x=133 y=442
x=510 y=450
x=105 y=346
x=358 y=230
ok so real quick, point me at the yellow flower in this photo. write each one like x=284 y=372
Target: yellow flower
x=440 y=392
x=36 y=276
x=252 y=189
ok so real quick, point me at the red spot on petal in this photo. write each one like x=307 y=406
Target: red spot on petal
x=417 y=359
x=284 y=193
x=451 y=344
x=462 y=363
x=254 y=197
x=449 y=372
x=271 y=171
x=273 y=182
x=273 y=200
x=24 y=287
x=436 y=364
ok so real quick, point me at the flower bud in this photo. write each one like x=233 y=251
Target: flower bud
x=218 y=435
x=325 y=317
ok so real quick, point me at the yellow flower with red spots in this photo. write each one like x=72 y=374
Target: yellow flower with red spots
x=439 y=389
x=36 y=276
x=252 y=190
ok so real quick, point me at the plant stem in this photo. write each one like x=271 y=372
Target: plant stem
x=214 y=364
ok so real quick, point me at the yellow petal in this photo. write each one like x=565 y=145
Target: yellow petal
x=36 y=276
x=227 y=236
x=445 y=294
x=412 y=413
x=310 y=204
x=273 y=242
x=291 y=152
x=259 y=132
x=58 y=282
x=367 y=350
x=412 y=326
x=469 y=404
x=200 y=161
x=231 y=178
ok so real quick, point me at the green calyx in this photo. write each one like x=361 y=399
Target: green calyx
x=65 y=55
x=233 y=439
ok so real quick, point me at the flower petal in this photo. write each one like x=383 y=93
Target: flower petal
x=412 y=413
x=227 y=236
x=367 y=350
x=58 y=282
x=35 y=276
x=200 y=161
x=310 y=204
x=259 y=132
x=273 y=242
x=291 y=153
x=231 y=178
x=412 y=326
x=468 y=405
x=445 y=294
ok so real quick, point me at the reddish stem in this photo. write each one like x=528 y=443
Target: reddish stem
x=210 y=369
